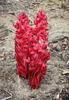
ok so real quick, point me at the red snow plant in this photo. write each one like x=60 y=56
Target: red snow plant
x=31 y=48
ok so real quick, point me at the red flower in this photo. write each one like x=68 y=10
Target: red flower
x=31 y=48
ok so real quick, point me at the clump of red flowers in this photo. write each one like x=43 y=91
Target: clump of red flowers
x=31 y=48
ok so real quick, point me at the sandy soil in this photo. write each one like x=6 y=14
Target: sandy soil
x=57 y=77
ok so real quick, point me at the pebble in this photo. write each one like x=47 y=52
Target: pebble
x=68 y=62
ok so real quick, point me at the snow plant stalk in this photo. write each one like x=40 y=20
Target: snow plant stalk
x=31 y=48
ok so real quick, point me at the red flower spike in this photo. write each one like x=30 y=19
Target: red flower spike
x=31 y=48
x=22 y=71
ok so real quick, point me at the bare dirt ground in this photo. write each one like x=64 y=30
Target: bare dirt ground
x=55 y=85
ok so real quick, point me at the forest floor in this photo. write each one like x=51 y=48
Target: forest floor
x=55 y=85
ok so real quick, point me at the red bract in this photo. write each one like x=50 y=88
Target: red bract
x=31 y=48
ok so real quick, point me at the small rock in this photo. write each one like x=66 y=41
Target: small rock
x=32 y=95
x=68 y=62
x=65 y=71
x=56 y=97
